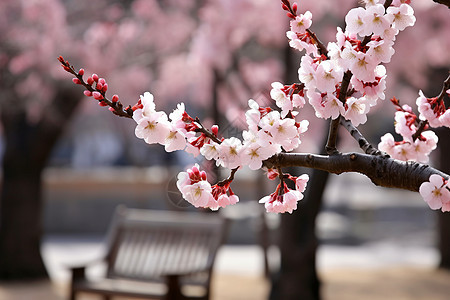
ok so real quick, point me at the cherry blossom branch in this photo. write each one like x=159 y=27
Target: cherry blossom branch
x=445 y=87
x=362 y=141
x=229 y=179
x=381 y=170
x=116 y=107
x=206 y=132
x=423 y=123
x=322 y=48
x=334 y=123
x=368 y=38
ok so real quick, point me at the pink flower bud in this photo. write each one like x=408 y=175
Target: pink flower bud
x=290 y=15
x=76 y=80
x=272 y=174
x=203 y=175
x=111 y=109
x=102 y=103
x=196 y=171
x=115 y=98
x=97 y=96
x=90 y=80
x=215 y=130
x=81 y=72
x=105 y=87
x=102 y=81
x=99 y=86
x=87 y=93
x=294 y=7
x=95 y=77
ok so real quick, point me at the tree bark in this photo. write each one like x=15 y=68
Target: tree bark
x=298 y=278
x=28 y=146
x=444 y=218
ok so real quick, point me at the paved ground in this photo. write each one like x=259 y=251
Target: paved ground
x=371 y=272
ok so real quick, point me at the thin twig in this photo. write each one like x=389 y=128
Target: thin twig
x=362 y=141
x=334 y=124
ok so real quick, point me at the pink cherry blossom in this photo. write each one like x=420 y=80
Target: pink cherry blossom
x=282 y=200
x=381 y=51
x=302 y=42
x=307 y=71
x=356 y=110
x=301 y=22
x=363 y=67
x=229 y=153
x=254 y=154
x=300 y=182
x=198 y=194
x=327 y=76
x=375 y=20
x=355 y=20
x=401 y=17
x=149 y=107
x=387 y=143
x=210 y=150
x=174 y=140
x=153 y=128
x=435 y=192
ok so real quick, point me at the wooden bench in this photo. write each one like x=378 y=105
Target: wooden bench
x=156 y=255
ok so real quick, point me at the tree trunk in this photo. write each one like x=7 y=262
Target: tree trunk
x=297 y=278
x=444 y=218
x=28 y=146
x=20 y=223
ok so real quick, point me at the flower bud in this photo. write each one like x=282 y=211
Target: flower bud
x=95 y=77
x=215 y=130
x=76 y=80
x=115 y=98
x=87 y=93
x=90 y=80
x=81 y=72
x=196 y=171
x=97 y=96
x=105 y=88
x=102 y=103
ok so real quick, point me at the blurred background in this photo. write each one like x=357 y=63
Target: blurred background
x=67 y=163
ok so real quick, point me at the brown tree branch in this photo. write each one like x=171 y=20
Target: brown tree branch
x=444 y=2
x=381 y=170
x=334 y=124
x=362 y=141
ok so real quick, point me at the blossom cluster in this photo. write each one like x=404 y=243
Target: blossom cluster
x=285 y=199
x=415 y=145
x=322 y=70
x=196 y=189
x=433 y=110
x=268 y=134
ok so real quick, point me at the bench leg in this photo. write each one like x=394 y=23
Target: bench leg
x=173 y=288
x=72 y=295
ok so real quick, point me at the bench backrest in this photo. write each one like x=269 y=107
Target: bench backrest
x=146 y=244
